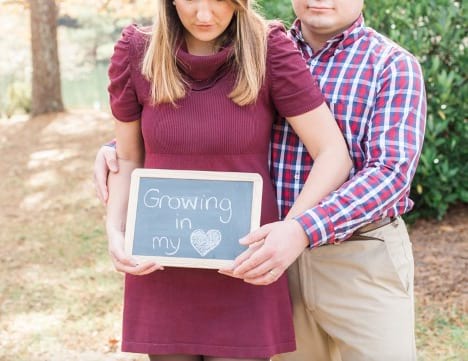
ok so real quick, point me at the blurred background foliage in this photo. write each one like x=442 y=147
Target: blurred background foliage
x=434 y=30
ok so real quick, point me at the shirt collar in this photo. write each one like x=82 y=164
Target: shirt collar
x=338 y=42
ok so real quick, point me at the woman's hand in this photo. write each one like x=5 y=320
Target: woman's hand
x=124 y=263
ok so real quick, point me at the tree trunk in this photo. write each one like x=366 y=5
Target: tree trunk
x=46 y=88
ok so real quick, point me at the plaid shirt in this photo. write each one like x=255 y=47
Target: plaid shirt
x=375 y=89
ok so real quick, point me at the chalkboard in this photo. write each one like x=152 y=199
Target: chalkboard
x=191 y=218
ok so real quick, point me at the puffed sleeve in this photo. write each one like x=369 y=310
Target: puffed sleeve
x=124 y=102
x=293 y=88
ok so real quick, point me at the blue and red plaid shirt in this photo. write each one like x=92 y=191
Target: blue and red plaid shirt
x=375 y=89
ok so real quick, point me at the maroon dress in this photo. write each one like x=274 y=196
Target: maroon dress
x=199 y=311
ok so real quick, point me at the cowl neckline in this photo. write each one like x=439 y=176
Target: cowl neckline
x=202 y=71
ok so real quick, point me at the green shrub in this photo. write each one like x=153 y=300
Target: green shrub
x=277 y=9
x=434 y=30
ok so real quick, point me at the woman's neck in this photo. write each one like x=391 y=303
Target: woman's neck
x=201 y=48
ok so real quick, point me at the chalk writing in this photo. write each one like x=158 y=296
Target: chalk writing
x=183 y=223
x=153 y=199
x=169 y=246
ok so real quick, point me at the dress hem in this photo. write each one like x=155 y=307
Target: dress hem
x=209 y=350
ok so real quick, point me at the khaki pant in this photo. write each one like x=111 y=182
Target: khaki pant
x=354 y=301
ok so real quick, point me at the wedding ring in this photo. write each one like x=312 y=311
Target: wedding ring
x=273 y=274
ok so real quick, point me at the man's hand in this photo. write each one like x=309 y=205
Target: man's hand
x=272 y=249
x=106 y=160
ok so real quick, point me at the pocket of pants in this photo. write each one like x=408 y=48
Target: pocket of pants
x=400 y=253
x=398 y=262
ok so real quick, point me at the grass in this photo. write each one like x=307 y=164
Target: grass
x=441 y=333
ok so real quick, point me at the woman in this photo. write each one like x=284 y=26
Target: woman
x=200 y=92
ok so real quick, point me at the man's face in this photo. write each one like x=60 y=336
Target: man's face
x=326 y=18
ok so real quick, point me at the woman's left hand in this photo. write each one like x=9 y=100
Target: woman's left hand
x=272 y=249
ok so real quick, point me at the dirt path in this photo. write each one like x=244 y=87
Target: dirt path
x=441 y=257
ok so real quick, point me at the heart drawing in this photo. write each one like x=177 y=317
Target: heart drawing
x=205 y=242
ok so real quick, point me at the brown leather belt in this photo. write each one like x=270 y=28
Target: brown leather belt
x=374 y=225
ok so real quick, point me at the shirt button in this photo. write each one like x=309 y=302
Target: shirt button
x=297 y=176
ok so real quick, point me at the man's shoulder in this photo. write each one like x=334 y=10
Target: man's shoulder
x=387 y=50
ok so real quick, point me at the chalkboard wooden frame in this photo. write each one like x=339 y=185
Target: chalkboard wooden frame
x=165 y=174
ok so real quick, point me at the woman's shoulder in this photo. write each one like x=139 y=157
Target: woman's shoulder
x=135 y=38
x=279 y=44
x=278 y=41
x=128 y=55
x=276 y=32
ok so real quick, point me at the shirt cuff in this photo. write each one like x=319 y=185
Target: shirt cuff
x=112 y=143
x=318 y=226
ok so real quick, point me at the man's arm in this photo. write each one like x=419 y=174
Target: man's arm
x=393 y=146
x=282 y=242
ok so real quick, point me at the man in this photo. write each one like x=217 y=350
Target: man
x=352 y=288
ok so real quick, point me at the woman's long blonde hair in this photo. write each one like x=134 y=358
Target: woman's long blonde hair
x=247 y=33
